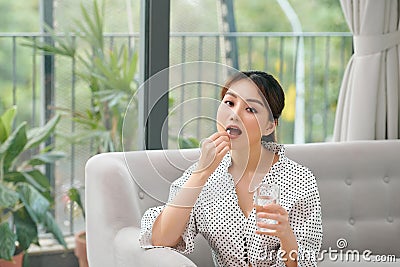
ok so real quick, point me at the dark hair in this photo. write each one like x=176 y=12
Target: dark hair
x=268 y=86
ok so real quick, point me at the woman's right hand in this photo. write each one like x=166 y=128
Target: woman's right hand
x=213 y=149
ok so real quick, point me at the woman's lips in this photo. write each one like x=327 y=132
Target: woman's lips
x=233 y=131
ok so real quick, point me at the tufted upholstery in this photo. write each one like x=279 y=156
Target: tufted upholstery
x=358 y=183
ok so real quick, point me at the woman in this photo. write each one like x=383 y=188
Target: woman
x=215 y=196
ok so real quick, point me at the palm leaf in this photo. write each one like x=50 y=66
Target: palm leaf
x=6 y=122
x=61 y=45
x=44 y=158
x=13 y=146
x=38 y=135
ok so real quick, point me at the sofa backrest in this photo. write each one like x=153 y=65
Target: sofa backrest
x=359 y=185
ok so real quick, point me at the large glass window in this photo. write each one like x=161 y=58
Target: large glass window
x=307 y=53
x=306 y=50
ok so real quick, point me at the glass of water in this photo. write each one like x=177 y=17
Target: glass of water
x=266 y=194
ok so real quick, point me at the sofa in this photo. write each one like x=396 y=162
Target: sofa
x=358 y=181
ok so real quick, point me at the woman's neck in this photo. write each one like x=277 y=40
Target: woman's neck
x=254 y=161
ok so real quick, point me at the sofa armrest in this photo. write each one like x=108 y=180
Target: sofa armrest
x=128 y=252
x=110 y=205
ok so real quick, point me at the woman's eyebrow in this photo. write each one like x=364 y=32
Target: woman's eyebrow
x=247 y=100
x=255 y=101
x=232 y=94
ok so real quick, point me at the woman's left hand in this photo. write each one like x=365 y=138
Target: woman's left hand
x=282 y=228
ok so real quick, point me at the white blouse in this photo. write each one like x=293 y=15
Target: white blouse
x=231 y=236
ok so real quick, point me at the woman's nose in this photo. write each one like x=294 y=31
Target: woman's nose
x=233 y=116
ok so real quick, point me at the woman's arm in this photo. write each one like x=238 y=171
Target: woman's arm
x=171 y=223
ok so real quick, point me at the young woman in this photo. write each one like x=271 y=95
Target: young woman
x=215 y=196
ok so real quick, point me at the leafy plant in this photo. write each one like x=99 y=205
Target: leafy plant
x=75 y=197
x=188 y=142
x=109 y=74
x=25 y=191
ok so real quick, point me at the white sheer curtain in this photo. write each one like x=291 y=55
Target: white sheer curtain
x=368 y=105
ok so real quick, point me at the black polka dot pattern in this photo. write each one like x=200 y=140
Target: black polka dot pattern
x=231 y=236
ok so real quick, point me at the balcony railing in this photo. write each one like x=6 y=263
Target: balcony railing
x=324 y=60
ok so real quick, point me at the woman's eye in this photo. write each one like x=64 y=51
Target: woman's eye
x=252 y=110
x=229 y=103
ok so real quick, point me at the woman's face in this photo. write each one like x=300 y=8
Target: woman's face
x=244 y=115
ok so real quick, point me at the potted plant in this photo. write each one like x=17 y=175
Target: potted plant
x=25 y=193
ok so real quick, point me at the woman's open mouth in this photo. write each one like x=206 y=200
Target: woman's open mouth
x=233 y=131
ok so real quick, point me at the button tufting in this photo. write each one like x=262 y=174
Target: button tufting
x=348 y=181
x=351 y=221
x=390 y=219
x=141 y=195
x=386 y=179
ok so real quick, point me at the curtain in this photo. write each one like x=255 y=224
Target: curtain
x=368 y=104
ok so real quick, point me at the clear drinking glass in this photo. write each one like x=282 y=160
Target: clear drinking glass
x=266 y=194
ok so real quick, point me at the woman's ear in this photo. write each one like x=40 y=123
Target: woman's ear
x=270 y=127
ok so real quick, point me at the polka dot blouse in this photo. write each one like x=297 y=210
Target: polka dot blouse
x=231 y=236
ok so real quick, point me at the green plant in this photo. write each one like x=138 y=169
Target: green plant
x=75 y=197
x=108 y=72
x=25 y=192
x=188 y=142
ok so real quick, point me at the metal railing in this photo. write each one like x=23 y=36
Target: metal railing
x=325 y=59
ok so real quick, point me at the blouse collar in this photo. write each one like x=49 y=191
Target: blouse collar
x=271 y=146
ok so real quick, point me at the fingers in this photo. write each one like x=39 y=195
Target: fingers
x=213 y=149
x=272 y=231
x=280 y=219
x=271 y=208
x=219 y=141
x=216 y=135
x=216 y=139
x=273 y=212
x=276 y=229
x=222 y=145
x=272 y=216
x=224 y=149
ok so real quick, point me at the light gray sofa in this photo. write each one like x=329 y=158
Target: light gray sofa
x=359 y=184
